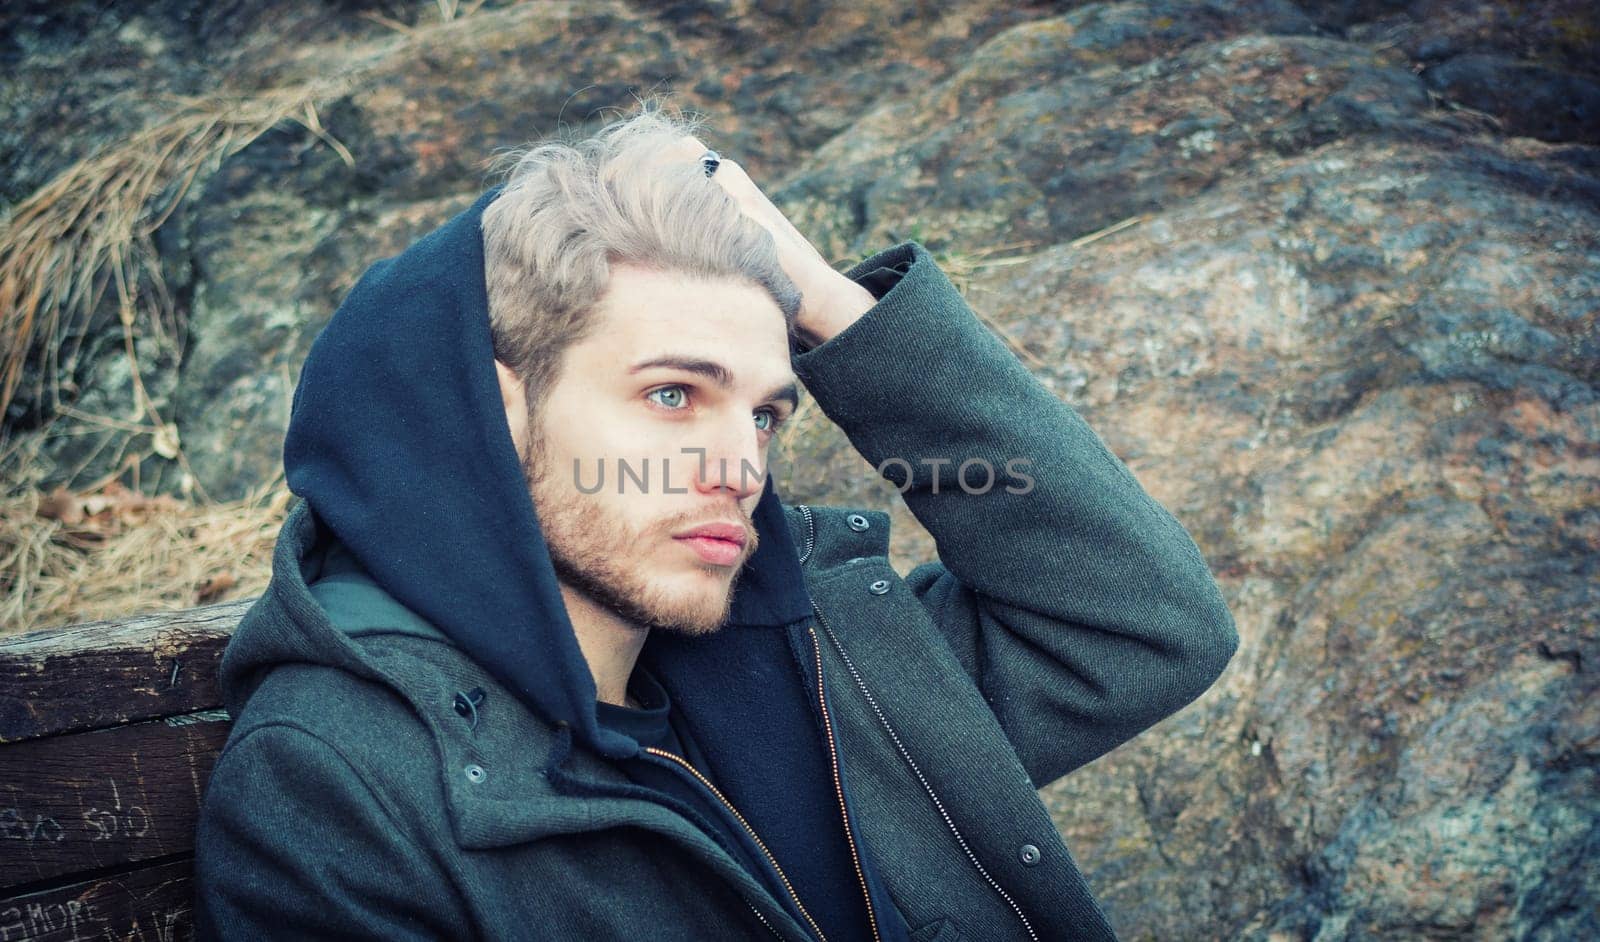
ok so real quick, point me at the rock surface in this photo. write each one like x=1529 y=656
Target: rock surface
x=1326 y=276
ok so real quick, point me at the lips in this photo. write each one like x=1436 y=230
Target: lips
x=731 y=532
x=720 y=544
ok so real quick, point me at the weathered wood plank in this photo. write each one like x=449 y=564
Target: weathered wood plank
x=155 y=904
x=86 y=801
x=99 y=674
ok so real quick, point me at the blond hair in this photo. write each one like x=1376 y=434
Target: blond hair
x=569 y=211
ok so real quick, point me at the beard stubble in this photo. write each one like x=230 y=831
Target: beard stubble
x=589 y=550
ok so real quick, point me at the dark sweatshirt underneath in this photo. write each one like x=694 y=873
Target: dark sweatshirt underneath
x=807 y=834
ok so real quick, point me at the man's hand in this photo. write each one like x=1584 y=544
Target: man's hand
x=830 y=301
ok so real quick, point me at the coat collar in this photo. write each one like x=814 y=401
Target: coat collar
x=525 y=759
x=515 y=799
x=508 y=776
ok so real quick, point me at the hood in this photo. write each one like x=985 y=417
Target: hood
x=399 y=448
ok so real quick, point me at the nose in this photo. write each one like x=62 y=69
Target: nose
x=735 y=463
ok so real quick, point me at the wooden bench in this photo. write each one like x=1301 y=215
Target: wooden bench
x=108 y=733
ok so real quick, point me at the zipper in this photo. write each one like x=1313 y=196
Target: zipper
x=763 y=919
x=811 y=532
x=811 y=541
x=664 y=754
x=838 y=787
x=833 y=749
x=872 y=702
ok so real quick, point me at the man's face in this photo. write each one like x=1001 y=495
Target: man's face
x=644 y=389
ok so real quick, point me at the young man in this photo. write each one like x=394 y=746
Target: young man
x=545 y=656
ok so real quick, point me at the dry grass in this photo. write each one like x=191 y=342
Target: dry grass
x=88 y=232
x=449 y=12
x=962 y=267
x=82 y=244
x=81 y=241
x=68 y=558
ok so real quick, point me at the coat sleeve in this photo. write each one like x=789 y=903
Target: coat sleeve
x=1081 y=608
x=293 y=844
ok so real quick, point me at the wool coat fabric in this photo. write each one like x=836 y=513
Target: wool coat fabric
x=415 y=753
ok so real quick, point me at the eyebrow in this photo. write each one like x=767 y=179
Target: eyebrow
x=718 y=374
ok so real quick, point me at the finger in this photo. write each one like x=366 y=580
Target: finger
x=687 y=147
x=685 y=150
x=730 y=175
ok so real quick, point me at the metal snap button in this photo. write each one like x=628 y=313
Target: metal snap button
x=857 y=522
x=1030 y=855
x=879 y=587
x=475 y=773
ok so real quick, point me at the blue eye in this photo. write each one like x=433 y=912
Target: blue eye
x=775 y=418
x=675 y=398
x=677 y=390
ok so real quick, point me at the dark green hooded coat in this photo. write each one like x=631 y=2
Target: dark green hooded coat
x=361 y=794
